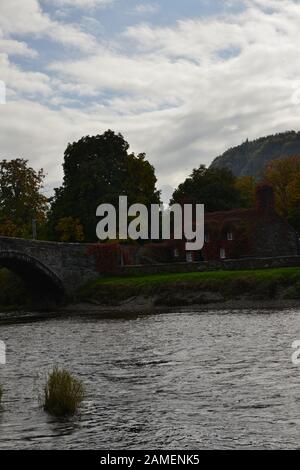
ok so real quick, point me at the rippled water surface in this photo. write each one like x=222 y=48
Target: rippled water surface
x=188 y=381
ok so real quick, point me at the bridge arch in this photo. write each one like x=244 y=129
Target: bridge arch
x=36 y=275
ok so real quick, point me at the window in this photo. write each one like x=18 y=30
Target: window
x=229 y=236
x=176 y=253
x=189 y=257
x=206 y=237
x=222 y=253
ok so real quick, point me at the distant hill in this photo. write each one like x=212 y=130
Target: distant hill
x=250 y=158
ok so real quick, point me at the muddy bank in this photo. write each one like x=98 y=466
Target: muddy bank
x=142 y=306
x=146 y=306
x=247 y=291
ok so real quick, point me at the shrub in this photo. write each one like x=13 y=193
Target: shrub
x=63 y=394
x=107 y=255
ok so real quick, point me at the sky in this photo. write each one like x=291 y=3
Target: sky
x=181 y=80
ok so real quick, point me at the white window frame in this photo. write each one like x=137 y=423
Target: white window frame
x=222 y=253
x=176 y=253
x=189 y=257
x=229 y=236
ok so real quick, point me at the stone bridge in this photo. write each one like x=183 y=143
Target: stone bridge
x=59 y=268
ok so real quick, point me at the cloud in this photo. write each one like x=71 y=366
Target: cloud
x=81 y=3
x=182 y=93
x=22 y=82
x=153 y=79
x=12 y=47
x=27 y=18
x=146 y=8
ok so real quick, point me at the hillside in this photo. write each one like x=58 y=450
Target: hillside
x=250 y=158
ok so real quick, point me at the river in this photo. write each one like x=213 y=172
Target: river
x=218 y=379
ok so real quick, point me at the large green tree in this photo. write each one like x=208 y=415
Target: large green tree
x=213 y=187
x=98 y=170
x=20 y=198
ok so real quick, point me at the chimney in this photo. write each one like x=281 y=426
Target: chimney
x=265 y=200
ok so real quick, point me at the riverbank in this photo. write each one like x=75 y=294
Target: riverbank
x=198 y=291
x=197 y=288
x=143 y=308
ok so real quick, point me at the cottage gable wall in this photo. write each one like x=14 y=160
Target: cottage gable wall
x=256 y=232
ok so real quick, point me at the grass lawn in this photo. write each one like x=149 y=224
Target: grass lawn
x=273 y=274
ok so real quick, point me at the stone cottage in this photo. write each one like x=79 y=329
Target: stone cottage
x=258 y=232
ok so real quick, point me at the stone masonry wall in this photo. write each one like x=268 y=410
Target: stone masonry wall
x=68 y=261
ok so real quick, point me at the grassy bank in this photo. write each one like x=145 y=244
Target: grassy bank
x=196 y=288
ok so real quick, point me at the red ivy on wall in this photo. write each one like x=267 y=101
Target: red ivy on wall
x=107 y=256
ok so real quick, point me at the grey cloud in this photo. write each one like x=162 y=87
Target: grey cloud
x=172 y=96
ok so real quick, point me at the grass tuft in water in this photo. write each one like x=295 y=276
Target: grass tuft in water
x=63 y=394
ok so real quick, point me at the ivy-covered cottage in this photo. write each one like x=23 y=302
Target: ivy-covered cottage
x=258 y=232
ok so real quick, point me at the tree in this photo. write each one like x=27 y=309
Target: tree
x=213 y=187
x=98 y=170
x=9 y=229
x=140 y=181
x=20 y=197
x=284 y=175
x=246 y=187
x=69 y=230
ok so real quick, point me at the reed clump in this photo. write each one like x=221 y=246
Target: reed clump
x=63 y=393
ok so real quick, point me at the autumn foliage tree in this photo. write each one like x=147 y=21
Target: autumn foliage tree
x=21 y=199
x=246 y=187
x=69 y=230
x=284 y=175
